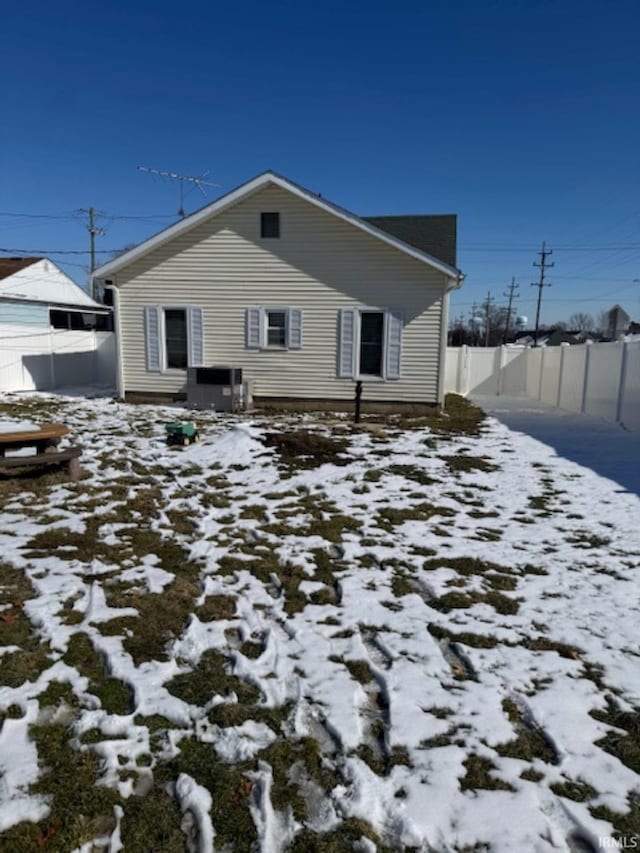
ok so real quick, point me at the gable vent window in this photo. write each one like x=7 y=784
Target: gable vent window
x=270 y=225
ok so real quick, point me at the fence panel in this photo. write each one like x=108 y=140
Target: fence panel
x=451 y=366
x=603 y=380
x=35 y=360
x=105 y=360
x=514 y=372
x=534 y=366
x=567 y=377
x=572 y=381
x=483 y=372
x=630 y=408
x=551 y=358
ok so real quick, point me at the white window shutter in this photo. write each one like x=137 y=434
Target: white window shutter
x=254 y=328
x=294 y=328
x=152 y=337
x=196 y=337
x=394 y=344
x=347 y=343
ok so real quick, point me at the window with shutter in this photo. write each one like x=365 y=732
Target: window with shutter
x=174 y=337
x=273 y=328
x=369 y=343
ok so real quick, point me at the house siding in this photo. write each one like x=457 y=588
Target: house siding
x=319 y=264
x=24 y=313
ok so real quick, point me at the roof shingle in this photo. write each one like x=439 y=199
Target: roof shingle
x=433 y=234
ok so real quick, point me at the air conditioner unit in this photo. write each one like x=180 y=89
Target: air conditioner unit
x=219 y=388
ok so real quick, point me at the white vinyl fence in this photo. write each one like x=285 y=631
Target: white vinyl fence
x=602 y=380
x=37 y=359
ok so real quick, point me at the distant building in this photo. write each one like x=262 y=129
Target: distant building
x=548 y=338
x=617 y=322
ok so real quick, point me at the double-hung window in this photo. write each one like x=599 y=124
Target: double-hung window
x=273 y=328
x=173 y=337
x=369 y=343
x=276 y=328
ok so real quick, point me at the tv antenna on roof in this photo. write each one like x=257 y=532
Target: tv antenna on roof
x=199 y=182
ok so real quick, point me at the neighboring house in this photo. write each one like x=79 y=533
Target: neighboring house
x=35 y=292
x=548 y=338
x=302 y=295
x=52 y=334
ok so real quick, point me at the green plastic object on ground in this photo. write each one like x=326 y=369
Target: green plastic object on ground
x=182 y=433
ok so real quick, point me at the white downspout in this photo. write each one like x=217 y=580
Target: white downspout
x=116 y=329
x=444 y=336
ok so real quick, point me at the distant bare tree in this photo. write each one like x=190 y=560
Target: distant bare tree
x=602 y=323
x=581 y=322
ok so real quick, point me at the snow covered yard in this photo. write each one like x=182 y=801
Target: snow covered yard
x=416 y=635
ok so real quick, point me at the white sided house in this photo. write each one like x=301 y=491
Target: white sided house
x=52 y=333
x=301 y=295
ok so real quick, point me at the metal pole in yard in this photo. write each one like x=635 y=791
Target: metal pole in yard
x=356 y=418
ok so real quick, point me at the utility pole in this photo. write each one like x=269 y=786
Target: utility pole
x=512 y=289
x=543 y=266
x=94 y=231
x=487 y=323
x=474 y=327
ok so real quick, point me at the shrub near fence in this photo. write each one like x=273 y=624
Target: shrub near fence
x=602 y=380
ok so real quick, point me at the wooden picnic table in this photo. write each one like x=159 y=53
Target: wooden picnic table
x=44 y=440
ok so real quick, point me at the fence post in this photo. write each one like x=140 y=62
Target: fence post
x=623 y=380
x=52 y=368
x=464 y=385
x=459 y=370
x=563 y=348
x=585 y=379
x=501 y=353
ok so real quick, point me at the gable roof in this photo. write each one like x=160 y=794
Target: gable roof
x=253 y=186
x=9 y=266
x=433 y=234
x=42 y=281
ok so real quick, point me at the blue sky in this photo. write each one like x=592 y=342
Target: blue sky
x=521 y=117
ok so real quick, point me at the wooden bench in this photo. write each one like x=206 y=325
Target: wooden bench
x=69 y=459
x=44 y=440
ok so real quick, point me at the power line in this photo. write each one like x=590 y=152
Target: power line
x=59 y=251
x=70 y=216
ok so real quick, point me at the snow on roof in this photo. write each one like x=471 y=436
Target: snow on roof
x=40 y=280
